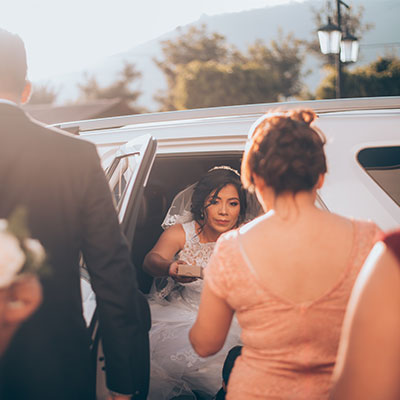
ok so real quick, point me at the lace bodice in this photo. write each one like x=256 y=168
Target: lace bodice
x=195 y=253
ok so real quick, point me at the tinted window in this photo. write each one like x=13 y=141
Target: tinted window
x=383 y=165
x=120 y=173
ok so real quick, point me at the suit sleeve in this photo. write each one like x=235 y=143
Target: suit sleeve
x=124 y=315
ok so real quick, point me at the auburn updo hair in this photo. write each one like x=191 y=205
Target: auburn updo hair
x=285 y=151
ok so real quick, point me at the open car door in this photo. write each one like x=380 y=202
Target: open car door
x=127 y=177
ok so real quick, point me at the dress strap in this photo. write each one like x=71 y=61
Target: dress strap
x=190 y=232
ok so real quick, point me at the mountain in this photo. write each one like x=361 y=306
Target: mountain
x=242 y=29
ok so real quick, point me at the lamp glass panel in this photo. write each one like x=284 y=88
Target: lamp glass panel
x=354 y=51
x=348 y=51
x=345 y=51
x=323 y=37
x=329 y=41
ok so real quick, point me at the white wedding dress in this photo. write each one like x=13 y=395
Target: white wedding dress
x=175 y=367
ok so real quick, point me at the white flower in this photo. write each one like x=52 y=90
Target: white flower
x=3 y=224
x=36 y=250
x=12 y=258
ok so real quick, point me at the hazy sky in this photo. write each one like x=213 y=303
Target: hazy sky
x=68 y=35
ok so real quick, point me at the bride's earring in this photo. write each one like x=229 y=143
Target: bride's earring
x=202 y=215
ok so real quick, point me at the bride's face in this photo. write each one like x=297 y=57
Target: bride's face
x=222 y=211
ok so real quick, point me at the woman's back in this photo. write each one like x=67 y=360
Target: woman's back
x=290 y=324
x=301 y=256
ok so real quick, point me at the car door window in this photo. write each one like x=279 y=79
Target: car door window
x=382 y=164
x=127 y=177
x=120 y=173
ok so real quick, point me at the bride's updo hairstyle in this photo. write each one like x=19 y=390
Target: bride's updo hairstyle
x=285 y=151
x=213 y=181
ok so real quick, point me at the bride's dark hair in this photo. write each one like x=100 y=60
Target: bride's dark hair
x=213 y=181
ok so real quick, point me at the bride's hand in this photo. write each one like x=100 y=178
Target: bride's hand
x=173 y=273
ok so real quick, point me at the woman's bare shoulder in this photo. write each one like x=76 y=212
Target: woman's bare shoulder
x=175 y=233
x=170 y=242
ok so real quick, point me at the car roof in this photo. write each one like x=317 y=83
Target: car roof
x=375 y=104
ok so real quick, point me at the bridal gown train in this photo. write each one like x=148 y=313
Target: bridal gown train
x=175 y=367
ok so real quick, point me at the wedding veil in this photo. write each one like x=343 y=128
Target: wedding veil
x=179 y=212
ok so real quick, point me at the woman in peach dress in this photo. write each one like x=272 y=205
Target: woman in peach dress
x=288 y=274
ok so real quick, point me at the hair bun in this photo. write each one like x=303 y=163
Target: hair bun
x=286 y=152
x=307 y=116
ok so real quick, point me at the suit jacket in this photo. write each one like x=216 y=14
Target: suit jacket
x=58 y=178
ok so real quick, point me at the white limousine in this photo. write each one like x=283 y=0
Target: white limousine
x=149 y=158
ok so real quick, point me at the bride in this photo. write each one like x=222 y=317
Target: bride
x=197 y=217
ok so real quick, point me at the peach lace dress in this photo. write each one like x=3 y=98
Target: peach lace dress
x=289 y=349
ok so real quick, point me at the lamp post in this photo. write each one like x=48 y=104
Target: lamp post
x=331 y=42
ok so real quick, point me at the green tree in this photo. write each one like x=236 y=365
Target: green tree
x=379 y=78
x=202 y=70
x=210 y=84
x=196 y=44
x=43 y=94
x=285 y=57
x=120 y=88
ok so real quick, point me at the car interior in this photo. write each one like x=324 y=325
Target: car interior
x=169 y=175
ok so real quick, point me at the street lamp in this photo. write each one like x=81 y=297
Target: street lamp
x=331 y=42
x=348 y=48
x=329 y=37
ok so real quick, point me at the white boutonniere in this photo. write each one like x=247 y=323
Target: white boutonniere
x=19 y=253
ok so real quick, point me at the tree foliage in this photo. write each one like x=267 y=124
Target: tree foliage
x=43 y=94
x=210 y=84
x=379 y=78
x=202 y=70
x=194 y=45
x=283 y=56
x=120 y=88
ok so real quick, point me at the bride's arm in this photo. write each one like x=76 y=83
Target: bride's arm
x=160 y=258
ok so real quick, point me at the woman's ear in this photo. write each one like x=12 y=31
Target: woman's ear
x=263 y=195
x=26 y=93
x=320 y=181
x=258 y=182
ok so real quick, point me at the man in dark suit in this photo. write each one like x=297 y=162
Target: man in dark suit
x=59 y=180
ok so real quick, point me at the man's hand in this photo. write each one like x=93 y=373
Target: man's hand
x=17 y=302
x=173 y=273
x=24 y=296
